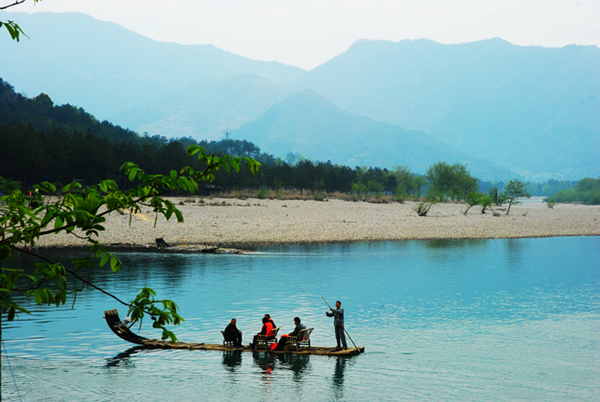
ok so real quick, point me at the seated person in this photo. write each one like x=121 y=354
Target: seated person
x=232 y=334
x=284 y=338
x=267 y=330
x=271 y=320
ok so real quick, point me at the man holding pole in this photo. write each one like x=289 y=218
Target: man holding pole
x=338 y=323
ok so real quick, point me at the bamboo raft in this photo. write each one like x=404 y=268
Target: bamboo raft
x=113 y=321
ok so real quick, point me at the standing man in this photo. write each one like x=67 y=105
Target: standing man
x=338 y=323
x=231 y=333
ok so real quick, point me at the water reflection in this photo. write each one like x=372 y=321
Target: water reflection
x=123 y=358
x=455 y=244
x=232 y=359
x=298 y=364
x=266 y=362
x=440 y=251
x=514 y=251
x=338 y=378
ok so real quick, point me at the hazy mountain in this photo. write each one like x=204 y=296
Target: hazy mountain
x=533 y=109
x=308 y=124
x=204 y=109
x=105 y=68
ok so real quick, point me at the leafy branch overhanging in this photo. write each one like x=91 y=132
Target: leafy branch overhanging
x=25 y=218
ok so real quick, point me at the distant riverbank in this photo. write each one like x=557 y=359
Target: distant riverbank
x=253 y=222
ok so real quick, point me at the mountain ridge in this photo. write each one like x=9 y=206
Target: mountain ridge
x=309 y=124
x=106 y=68
x=531 y=110
x=522 y=104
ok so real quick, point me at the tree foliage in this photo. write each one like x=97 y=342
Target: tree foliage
x=514 y=190
x=81 y=211
x=472 y=199
x=586 y=191
x=14 y=30
x=485 y=202
x=450 y=181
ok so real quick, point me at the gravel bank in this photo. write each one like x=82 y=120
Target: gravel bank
x=246 y=223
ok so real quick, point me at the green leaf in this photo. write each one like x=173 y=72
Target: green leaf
x=235 y=164
x=179 y=215
x=38 y=296
x=115 y=264
x=14 y=30
x=132 y=173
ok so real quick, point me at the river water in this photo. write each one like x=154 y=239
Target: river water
x=478 y=320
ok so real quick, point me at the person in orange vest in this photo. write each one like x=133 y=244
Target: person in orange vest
x=272 y=322
x=266 y=329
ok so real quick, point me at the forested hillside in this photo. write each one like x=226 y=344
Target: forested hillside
x=62 y=143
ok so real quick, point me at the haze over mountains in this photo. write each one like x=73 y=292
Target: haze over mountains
x=106 y=69
x=306 y=120
x=531 y=108
x=505 y=110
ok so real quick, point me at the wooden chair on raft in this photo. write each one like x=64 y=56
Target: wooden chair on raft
x=263 y=342
x=300 y=340
x=226 y=343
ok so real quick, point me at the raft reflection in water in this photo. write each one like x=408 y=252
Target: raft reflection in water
x=232 y=359
x=267 y=362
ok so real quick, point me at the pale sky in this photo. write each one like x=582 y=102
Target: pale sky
x=307 y=33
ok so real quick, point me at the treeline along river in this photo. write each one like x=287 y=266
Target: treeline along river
x=440 y=320
x=46 y=142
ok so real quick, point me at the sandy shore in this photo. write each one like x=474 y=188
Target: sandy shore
x=247 y=223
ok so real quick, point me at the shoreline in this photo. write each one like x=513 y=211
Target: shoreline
x=243 y=224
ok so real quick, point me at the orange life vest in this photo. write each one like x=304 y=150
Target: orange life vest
x=269 y=329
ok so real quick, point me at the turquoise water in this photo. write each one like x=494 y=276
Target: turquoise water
x=440 y=320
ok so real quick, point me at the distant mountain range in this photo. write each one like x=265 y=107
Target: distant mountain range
x=107 y=69
x=533 y=109
x=309 y=124
x=208 y=107
x=505 y=110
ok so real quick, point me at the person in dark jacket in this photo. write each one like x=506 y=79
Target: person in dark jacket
x=233 y=334
x=338 y=323
x=284 y=338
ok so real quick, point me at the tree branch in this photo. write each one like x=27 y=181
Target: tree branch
x=17 y=2
x=72 y=273
x=76 y=222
